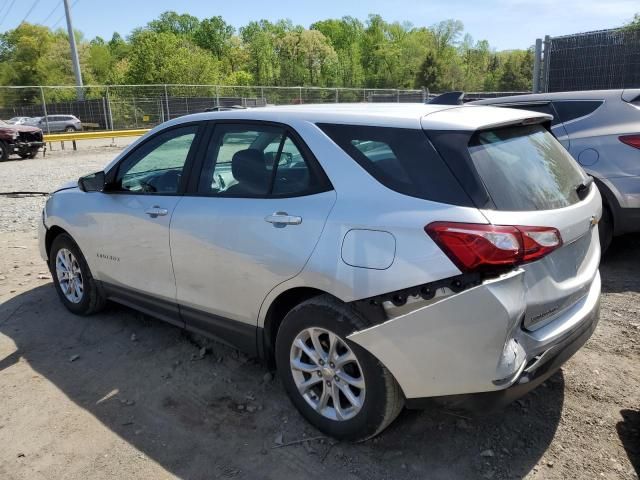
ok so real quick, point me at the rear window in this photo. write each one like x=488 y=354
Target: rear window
x=525 y=168
x=401 y=159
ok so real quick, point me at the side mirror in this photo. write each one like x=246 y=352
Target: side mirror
x=92 y=183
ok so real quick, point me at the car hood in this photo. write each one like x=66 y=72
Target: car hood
x=19 y=128
x=66 y=186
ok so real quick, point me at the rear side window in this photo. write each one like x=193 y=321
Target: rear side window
x=525 y=168
x=570 y=110
x=401 y=159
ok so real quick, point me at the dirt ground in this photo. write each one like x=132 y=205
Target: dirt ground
x=120 y=395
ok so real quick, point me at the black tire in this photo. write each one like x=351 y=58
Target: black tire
x=605 y=228
x=383 y=400
x=4 y=152
x=93 y=299
x=69 y=129
x=31 y=154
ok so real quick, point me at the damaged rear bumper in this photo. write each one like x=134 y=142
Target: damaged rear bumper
x=474 y=343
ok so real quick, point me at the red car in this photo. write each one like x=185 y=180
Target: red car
x=22 y=140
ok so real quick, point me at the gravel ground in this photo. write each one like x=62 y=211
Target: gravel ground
x=119 y=395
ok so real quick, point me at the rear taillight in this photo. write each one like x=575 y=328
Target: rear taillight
x=631 y=140
x=476 y=247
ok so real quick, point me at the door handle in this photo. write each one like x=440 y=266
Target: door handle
x=282 y=219
x=156 y=211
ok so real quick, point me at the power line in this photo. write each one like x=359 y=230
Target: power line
x=35 y=3
x=6 y=15
x=51 y=13
x=63 y=16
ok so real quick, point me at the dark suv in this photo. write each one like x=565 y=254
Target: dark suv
x=19 y=139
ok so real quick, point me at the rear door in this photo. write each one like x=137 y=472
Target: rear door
x=250 y=223
x=532 y=181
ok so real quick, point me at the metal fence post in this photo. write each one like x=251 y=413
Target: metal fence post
x=217 y=96
x=110 y=127
x=135 y=114
x=337 y=100
x=547 y=61
x=537 y=60
x=104 y=111
x=44 y=109
x=300 y=94
x=166 y=98
x=397 y=96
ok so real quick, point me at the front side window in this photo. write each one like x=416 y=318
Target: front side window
x=525 y=168
x=255 y=161
x=156 y=167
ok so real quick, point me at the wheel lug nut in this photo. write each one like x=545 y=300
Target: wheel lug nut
x=319 y=373
x=331 y=365
x=328 y=384
x=321 y=362
x=336 y=378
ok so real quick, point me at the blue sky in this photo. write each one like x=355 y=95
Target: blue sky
x=504 y=23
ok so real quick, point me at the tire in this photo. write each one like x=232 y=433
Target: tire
x=382 y=398
x=92 y=298
x=4 y=152
x=605 y=228
x=69 y=129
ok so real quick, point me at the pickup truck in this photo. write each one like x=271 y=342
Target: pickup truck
x=22 y=140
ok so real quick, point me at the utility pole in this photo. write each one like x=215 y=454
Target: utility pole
x=74 y=52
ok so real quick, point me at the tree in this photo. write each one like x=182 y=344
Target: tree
x=306 y=58
x=633 y=25
x=345 y=35
x=429 y=72
x=172 y=22
x=214 y=34
x=167 y=58
x=180 y=48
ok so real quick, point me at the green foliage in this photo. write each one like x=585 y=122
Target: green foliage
x=168 y=58
x=345 y=52
x=633 y=25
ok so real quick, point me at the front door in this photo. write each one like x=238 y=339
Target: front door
x=258 y=212
x=133 y=215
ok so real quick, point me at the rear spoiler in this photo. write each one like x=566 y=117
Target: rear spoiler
x=449 y=98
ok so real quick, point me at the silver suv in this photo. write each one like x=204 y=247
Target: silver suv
x=56 y=123
x=377 y=255
x=601 y=129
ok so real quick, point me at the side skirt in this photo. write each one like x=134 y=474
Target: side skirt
x=236 y=334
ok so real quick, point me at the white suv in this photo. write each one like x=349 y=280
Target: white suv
x=377 y=254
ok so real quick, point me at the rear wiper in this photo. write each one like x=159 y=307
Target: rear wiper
x=583 y=188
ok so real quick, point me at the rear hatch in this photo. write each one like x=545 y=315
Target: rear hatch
x=520 y=175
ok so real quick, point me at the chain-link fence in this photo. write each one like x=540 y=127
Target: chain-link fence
x=116 y=107
x=592 y=61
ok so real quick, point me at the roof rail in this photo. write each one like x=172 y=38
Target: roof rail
x=449 y=98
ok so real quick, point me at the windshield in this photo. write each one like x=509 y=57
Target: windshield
x=526 y=168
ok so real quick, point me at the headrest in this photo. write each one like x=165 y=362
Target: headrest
x=249 y=169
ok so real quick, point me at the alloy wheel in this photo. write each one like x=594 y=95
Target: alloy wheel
x=69 y=275
x=327 y=374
